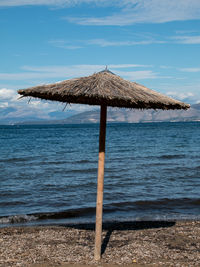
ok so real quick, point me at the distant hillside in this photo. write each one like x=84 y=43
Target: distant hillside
x=134 y=116
x=11 y=115
x=196 y=106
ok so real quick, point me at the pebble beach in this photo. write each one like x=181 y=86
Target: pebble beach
x=169 y=243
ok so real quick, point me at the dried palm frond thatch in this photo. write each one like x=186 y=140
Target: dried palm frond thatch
x=104 y=88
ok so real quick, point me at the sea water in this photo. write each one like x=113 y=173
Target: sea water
x=48 y=173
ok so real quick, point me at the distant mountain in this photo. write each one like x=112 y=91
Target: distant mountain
x=55 y=115
x=12 y=115
x=131 y=116
x=196 y=106
x=114 y=115
x=6 y=111
x=134 y=116
x=27 y=120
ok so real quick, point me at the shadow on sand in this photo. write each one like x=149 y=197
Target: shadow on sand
x=122 y=226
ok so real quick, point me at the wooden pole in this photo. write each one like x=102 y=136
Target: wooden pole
x=100 y=180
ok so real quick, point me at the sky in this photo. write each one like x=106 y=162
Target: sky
x=153 y=42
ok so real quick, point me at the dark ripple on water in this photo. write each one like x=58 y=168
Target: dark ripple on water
x=152 y=171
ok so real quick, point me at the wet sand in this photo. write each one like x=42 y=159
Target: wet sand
x=135 y=244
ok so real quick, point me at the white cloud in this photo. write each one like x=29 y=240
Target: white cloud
x=64 y=44
x=11 y=96
x=121 y=66
x=77 y=44
x=4 y=104
x=130 y=11
x=187 y=39
x=146 y=11
x=104 y=43
x=13 y=108
x=26 y=75
x=138 y=75
x=83 y=70
x=47 y=73
x=23 y=107
x=185 y=94
x=190 y=69
x=181 y=96
x=63 y=3
x=145 y=40
x=7 y=94
x=165 y=67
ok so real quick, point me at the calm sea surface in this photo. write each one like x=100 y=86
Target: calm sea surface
x=48 y=172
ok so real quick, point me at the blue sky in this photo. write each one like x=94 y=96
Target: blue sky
x=153 y=42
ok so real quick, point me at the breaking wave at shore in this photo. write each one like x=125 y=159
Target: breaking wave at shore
x=168 y=209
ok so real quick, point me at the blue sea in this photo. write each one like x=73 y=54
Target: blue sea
x=48 y=173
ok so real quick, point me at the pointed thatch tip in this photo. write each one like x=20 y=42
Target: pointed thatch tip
x=104 y=88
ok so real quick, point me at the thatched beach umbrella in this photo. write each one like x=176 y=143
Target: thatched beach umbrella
x=105 y=89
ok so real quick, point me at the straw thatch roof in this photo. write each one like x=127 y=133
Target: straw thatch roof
x=104 y=88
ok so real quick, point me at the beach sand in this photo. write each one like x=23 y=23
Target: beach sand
x=126 y=243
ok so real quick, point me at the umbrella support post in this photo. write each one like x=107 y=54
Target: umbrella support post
x=100 y=182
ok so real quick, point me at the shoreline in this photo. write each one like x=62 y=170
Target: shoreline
x=139 y=243
x=90 y=223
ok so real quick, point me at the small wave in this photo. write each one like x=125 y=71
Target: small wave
x=183 y=205
x=10 y=203
x=175 y=156
x=47 y=216
x=197 y=168
x=89 y=170
x=15 y=160
x=66 y=214
x=17 y=219
x=84 y=161
x=171 y=202
x=160 y=205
